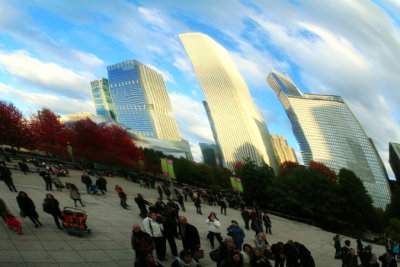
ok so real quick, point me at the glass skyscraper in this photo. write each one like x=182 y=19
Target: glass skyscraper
x=239 y=130
x=394 y=159
x=328 y=132
x=141 y=100
x=102 y=98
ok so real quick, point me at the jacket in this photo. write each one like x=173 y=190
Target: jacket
x=27 y=206
x=214 y=226
x=152 y=227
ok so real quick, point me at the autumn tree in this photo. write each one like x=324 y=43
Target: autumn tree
x=323 y=170
x=48 y=133
x=13 y=127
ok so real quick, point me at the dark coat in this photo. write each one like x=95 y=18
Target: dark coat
x=51 y=206
x=190 y=237
x=27 y=206
x=267 y=221
x=306 y=260
x=102 y=183
x=5 y=174
x=86 y=180
x=46 y=177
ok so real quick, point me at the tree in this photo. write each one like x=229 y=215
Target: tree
x=13 y=127
x=288 y=168
x=324 y=171
x=48 y=133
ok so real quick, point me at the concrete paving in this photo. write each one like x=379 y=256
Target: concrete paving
x=109 y=242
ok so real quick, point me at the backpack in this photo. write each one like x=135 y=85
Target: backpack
x=215 y=255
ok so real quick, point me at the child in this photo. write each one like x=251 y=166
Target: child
x=13 y=223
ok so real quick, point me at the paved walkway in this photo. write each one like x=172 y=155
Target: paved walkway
x=109 y=243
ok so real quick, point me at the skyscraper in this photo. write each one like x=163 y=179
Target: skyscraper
x=211 y=155
x=102 y=99
x=239 y=129
x=141 y=100
x=328 y=132
x=394 y=159
x=282 y=151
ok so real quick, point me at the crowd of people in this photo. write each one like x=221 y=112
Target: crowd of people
x=363 y=256
x=162 y=222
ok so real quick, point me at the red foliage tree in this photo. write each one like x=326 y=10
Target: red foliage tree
x=13 y=126
x=109 y=145
x=238 y=166
x=324 y=171
x=288 y=167
x=48 y=133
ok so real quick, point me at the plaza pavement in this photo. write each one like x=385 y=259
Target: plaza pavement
x=109 y=243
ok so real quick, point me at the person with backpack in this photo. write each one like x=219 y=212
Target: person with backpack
x=141 y=243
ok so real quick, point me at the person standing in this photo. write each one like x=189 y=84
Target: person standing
x=181 y=202
x=189 y=235
x=267 y=223
x=85 y=178
x=214 y=229
x=47 y=179
x=237 y=234
x=155 y=229
x=6 y=176
x=337 y=246
x=51 y=206
x=160 y=192
x=197 y=204
x=246 y=218
x=75 y=195
x=28 y=208
x=141 y=243
x=101 y=183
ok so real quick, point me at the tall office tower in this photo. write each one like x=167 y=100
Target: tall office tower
x=102 y=99
x=239 y=128
x=211 y=155
x=328 y=132
x=394 y=159
x=282 y=151
x=141 y=100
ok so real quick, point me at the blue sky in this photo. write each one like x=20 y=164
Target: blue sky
x=51 y=50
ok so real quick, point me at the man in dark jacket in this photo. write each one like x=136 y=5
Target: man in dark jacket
x=189 y=235
x=306 y=260
x=85 y=178
x=246 y=218
x=141 y=242
x=47 y=179
x=101 y=183
x=23 y=167
x=141 y=202
x=292 y=256
x=5 y=175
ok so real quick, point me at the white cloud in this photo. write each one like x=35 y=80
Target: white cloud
x=44 y=75
x=58 y=104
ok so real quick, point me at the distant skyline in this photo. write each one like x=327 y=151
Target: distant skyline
x=50 y=51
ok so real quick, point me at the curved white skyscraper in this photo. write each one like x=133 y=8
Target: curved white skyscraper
x=238 y=126
x=328 y=132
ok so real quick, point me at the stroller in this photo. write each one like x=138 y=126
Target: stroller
x=75 y=221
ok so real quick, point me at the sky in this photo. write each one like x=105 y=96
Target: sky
x=51 y=50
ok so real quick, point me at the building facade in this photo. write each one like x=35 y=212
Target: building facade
x=102 y=99
x=283 y=152
x=141 y=100
x=211 y=154
x=239 y=129
x=328 y=132
x=394 y=159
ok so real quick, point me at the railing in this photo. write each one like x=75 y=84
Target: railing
x=290 y=217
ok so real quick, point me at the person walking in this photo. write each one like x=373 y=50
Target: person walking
x=85 y=178
x=246 y=218
x=3 y=210
x=141 y=243
x=23 y=167
x=154 y=228
x=214 y=229
x=51 y=206
x=267 y=223
x=141 y=202
x=222 y=204
x=6 y=176
x=47 y=179
x=75 y=195
x=28 y=208
x=237 y=234
x=122 y=196
x=197 y=204
x=181 y=202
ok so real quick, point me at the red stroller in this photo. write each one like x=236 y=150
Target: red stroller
x=75 y=221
